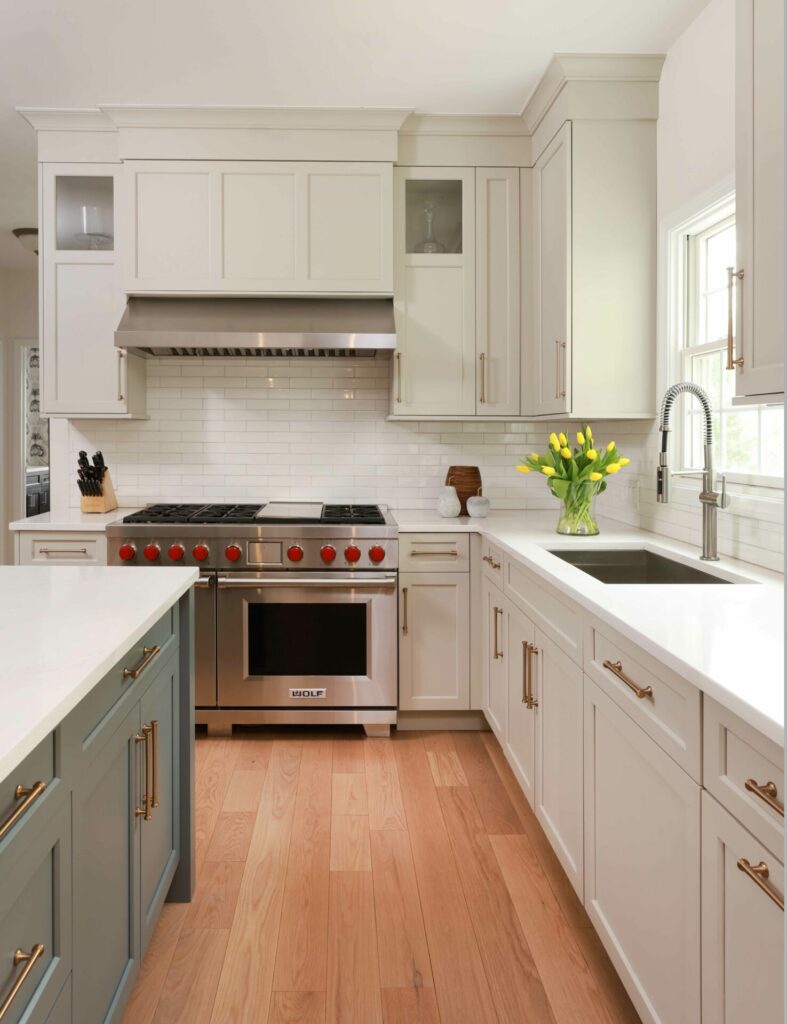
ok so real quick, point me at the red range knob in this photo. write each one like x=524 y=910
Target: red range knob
x=352 y=553
x=295 y=553
x=127 y=552
x=200 y=552
x=152 y=552
x=232 y=552
x=327 y=553
x=176 y=552
x=377 y=553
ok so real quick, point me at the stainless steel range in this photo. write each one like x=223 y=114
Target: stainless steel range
x=296 y=607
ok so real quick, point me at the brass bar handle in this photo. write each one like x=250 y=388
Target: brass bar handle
x=616 y=668
x=404 y=611
x=482 y=360
x=120 y=375
x=154 y=731
x=497 y=654
x=525 y=669
x=398 y=376
x=560 y=392
x=148 y=654
x=532 y=652
x=767 y=793
x=490 y=561
x=732 y=276
x=62 y=551
x=421 y=554
x=145 y=737
x=29 y=960
x=494 y=641
x=28 y=798
x=759 y=874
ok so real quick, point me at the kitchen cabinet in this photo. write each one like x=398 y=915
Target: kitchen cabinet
x=82 y=299
x=495 y=665
x=434 y=641
x=435 y=292
x=742 y=923
x=219 y=226
x=60 y=547
x=757 y=355
x=520 y=739
x=642 y=862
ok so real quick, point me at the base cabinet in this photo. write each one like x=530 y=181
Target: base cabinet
x=520 y=740
x=642 y=862
x=742 y=924
x=493 y=645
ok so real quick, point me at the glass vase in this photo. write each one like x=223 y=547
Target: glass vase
x=578 y=518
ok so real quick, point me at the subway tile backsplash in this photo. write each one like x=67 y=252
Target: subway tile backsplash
x=247 y=429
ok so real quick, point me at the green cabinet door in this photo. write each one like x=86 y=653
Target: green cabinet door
x=106 y=876
x=159 y=835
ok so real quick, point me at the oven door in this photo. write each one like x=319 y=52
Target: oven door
x=307 y=639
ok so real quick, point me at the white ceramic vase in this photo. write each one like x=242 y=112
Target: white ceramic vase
x=448 y=504
x=478 y=506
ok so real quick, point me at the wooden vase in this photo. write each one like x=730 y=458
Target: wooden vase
x=467 y=481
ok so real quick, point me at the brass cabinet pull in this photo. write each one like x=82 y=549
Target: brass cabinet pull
x=525 y=667
x=496 y=653
x=532 y=652
x=29 y=960
x=732 y=276
x=398 y=376
x=62 y=551
x=28 y=797
x=490 y=561
x=421 y=554
x=482 y=359
x=154 y=731
x=767 y=793
x=616 y=668
x=560 y=392
x=120 y=375
x=145 y=737
x=759 y=874
x=404 y=611
x=148 y=654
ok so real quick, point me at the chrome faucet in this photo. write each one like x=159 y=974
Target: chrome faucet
x=711 y=499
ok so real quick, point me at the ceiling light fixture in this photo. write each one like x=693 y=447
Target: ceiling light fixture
x=27 y=238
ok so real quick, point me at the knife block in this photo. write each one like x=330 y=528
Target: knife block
x=105 y=503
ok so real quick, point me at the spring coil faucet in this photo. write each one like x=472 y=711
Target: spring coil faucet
x=711 y=499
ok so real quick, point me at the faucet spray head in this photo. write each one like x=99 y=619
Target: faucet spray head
x=663 y=480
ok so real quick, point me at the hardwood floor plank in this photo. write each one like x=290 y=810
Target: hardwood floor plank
x=443 y=759
x=247 y=976
x=348 y=756
x=404 y=954
x=353 y=978
x=302 y=953
x=493 y=802
x=145 y=994
x=231 y=836
x=386 y=809
x=463 y=993
x=350 y=842
x=254 y=752
x=210 y=787
x=514 y=980
x=190 y=986
x=576 y=995
x=216 y=895
x=244 y=790
x=297 y=1008
x=349 y=793
x=621 y=1007
x=411 y=1006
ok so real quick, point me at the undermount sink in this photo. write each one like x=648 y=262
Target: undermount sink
x=635 y=565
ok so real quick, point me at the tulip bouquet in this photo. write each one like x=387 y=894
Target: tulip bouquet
x=575 y=476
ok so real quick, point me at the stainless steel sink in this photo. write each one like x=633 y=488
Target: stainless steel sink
x=635 y=565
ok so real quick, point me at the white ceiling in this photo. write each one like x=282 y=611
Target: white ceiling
x=437 y=56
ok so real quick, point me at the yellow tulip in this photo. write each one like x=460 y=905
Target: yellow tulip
x=554 y=442
x=566 y=453
x=613 y=467
x=563 y=439
x=523 y=469
x=592 y=454
x=580 y=437
x=595 y=477
x=625 y=462
x=610 y=446
x=547 y=471
x=589 y=432
x=535 y=456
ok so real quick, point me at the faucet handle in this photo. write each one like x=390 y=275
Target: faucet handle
x=724 y=498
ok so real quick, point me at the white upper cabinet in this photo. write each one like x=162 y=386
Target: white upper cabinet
x=434 y=294
x=259 y=227
x=82 y=300
x=759 y=188
x=497 y=291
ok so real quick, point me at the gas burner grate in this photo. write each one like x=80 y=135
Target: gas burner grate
x=226 y=514
x=366 y=515
x=163 y=514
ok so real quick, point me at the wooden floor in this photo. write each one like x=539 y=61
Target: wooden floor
x=353 y=880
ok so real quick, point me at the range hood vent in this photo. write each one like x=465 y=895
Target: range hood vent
x=244 y=327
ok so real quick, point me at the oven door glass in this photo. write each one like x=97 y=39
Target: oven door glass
x=288 y=639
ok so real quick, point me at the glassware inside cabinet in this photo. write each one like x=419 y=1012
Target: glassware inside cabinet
x=433 y=216
x=84 y=212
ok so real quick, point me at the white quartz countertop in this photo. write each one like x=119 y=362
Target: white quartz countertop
x=727 y=640
x=61 y=630
x=71 y=519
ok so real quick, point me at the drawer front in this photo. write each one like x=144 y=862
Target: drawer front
x=35 y=918
x=96 y=716
x=434 y=552
x=561 y=621
x=659 y=701
x=16 y=812
x=492 y=561
x=64 y=549
x=734 y=754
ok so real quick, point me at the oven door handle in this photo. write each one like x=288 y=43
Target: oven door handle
x=384 y=582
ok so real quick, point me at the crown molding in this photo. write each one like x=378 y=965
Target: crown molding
x=277 y=118
x=463 y=124
x=52 y=119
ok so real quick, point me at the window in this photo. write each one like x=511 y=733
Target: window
x=748 y=441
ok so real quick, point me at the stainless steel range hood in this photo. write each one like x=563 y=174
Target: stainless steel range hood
x=286 y=327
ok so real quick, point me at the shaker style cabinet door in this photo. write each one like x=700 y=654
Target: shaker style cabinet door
x=493 y=632
x=520 y=740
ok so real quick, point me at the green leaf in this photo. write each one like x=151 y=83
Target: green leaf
x=560 y=488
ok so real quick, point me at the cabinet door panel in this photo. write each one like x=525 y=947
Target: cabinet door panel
x=434 y=651
x=495 y=701
x=642 y=829
x=520 y=743
x=558 y=683
x=172 y=212
x=742 y=929
x=259 y=226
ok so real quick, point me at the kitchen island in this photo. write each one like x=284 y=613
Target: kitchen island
x=96 y=781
